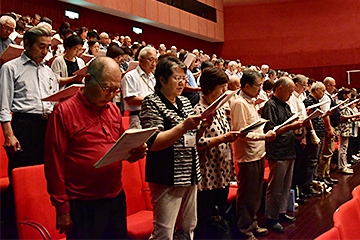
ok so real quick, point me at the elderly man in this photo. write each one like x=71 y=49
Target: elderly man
x=8 y=25
x=232 y=68
x=311 y=153
x=162 y=50
x=139 y=83
x=24 y=82
x=331 y=122
x=90 y=202
x=265 y=69
x=104 y=40
x=127 y=41
x=249 y=155
x=280 y=153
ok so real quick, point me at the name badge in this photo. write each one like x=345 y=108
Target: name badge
x=227 y=155
x=189 y=140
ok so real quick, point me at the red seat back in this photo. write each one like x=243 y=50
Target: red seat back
x=133 y=187
x=356 y=192
x=32 y=202
x=347 y=219
x=332 y=234
x=4 y=179
x=125 y=120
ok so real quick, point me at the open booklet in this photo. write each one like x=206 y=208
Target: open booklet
x=130 y=139
x=291 y=119
x=18 y=39
x=81 y=71
x=350 y=103
x=219 y=102
x=318 y=104
x=87 y=57
x=132 y=65
x=63 y=94
x=315 y=114
x=254 y=125
x=11 y=52
x=338 y=105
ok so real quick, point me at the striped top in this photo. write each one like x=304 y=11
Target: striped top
x=176 y=165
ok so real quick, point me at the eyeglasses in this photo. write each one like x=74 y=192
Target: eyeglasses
x=152 y=60
x=180 y=78
x=104 y=89
x=6 y=28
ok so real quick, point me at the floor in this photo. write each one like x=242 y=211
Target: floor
x=315 y=216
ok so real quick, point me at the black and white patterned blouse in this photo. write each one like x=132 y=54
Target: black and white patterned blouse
x=176 y=165
x=216 y=169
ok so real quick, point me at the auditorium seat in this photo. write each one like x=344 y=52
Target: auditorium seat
x=35 y=216
x=356 y=192
x=232 y=193
x=347 y=219
x=125 y=120
x=139 y=215
x=4 y=179
x=332 y=234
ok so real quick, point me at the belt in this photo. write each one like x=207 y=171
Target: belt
x=30 y=115
x=134 y=113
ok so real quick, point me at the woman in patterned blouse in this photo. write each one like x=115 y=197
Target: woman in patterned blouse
x=172 y=163
x=215 y=153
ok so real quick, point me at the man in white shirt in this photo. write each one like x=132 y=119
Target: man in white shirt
x=139 y=83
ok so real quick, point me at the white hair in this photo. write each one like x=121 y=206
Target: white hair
x=317 y=85
x=162 y=46
x=145 y=51
x=232 y=63
x=104 y=35
x=45 y=25
x=264 y=66
x=7 y=19
x=195 y=51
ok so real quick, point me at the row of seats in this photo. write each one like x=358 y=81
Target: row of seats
x=346 y=220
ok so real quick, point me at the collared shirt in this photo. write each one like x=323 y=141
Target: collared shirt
x=192 y=81
x=23 y=85
x=283 y=147
x=325 y=107
x=244 y=113
x=297 y=105
x=73 y=144
x=4 y=43
x=137 y=84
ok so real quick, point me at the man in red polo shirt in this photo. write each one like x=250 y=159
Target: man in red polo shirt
x=89 y=201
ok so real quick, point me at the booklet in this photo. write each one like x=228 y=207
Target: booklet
x=254 y=125
x=18 y=39
x=63 y=94
x=315 y=114
x=81 y=71
x=338 y=105
x=318 y=104
x=11 y=52
x=189 y=59
x=132 y=65
x=101 y=53
x=55 y=41
x=350 y=103
x=130 y=139
x=259 y=101
x=291 y=119
x=87 y=57
x=219 y=102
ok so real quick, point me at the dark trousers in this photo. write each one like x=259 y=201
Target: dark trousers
x=206 y=208
x=353 y=148
x=99 y=219
x=30 y=130
x=250 y=182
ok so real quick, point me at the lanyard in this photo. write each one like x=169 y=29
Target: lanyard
x=145 y=81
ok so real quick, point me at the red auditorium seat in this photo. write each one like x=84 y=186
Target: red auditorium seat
x=4 y=179
x=332 y=234
x=139 y=216
x=125 y=120
x=356 y=192
x=35 y=216
x=347 y=219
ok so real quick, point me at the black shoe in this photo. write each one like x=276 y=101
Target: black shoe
x=333 y=180
x=300 y=201
x=275 y=226
x=328 y=182
x=305 y=195
x=286 y=218
x=314 y=192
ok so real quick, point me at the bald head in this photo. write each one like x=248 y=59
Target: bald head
x=234 y=82
x=330 y=84
x=283 y=88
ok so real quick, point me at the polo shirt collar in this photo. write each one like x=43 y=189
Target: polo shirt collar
x=247 y=97
x=25 y=59
x=277 y=100
x=87 y=103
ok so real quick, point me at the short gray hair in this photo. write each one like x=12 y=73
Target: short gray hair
x=7 y=19
x=32 y=34
x=104 y=35
x=232 y=63
x=145 y=51
x=283 y=81
x=317 y=85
